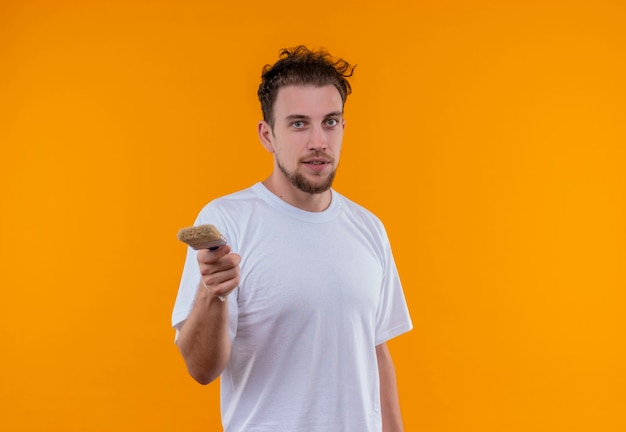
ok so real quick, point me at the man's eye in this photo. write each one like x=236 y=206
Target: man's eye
x=298 y=124
x=331 y=122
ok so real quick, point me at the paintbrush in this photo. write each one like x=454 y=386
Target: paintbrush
x=201 y=237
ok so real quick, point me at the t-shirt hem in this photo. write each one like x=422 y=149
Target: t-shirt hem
x=179 y=317
x=395 y=332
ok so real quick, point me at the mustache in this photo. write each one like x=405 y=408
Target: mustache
x=317 y=154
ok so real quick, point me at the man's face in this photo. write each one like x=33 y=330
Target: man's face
x=306 y=138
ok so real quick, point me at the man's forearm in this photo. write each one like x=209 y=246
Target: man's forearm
x=203 y=339
x=389 y=401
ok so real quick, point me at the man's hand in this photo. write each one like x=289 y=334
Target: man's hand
x=219 y=269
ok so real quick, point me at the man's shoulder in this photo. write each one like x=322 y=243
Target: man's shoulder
x=227 y=204
x=361 y=216
x=240 y=196
x=355 y=208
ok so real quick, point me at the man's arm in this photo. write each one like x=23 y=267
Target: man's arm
x=389 y=401
x=203 y=339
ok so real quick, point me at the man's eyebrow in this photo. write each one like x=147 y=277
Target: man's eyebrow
x=305 y=117
x=297 y=117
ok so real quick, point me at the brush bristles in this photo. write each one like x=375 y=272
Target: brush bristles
x=201 y=236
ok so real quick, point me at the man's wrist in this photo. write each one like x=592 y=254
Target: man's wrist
x=221 y=298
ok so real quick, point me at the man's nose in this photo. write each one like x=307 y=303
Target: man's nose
x=318 y=139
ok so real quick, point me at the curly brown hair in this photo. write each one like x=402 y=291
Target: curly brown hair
x=302 y=66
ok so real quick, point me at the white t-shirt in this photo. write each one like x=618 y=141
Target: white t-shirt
x=318 y=292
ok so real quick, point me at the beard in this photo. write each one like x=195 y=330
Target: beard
x=300 y=182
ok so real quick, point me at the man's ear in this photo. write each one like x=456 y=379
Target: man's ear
x=266 y=135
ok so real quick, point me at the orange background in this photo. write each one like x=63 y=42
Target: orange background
x=488 y=136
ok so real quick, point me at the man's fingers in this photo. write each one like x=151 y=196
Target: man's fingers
x=219 y=277
x=209 y=256
x=219 y=269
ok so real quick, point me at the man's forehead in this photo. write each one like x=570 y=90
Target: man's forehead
x=307 y=87
x=303 y=99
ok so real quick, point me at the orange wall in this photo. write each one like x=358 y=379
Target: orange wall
x=489 y=137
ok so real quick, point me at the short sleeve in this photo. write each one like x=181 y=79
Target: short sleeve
x=392 y=316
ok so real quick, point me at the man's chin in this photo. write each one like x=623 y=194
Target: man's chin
x=313 y=189
x=310 y=187
x=317 y=185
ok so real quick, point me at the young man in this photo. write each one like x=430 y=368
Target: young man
x=312 y=290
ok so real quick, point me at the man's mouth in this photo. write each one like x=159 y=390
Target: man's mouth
x=317 y=165
x=317 y=160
